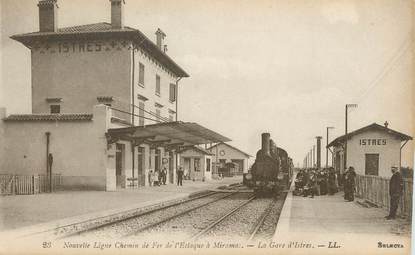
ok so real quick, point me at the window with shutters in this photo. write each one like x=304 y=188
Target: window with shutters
x=157 y=85
x=141 y=113
x=172 y=96
x=141 y=75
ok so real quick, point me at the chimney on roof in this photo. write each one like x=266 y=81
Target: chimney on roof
x=48 y=15
x=160 y=35
x=117 y=13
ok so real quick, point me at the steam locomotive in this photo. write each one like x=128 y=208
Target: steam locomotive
x=272 y=170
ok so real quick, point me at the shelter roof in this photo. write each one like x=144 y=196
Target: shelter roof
x=370 y=127
x=169 y=134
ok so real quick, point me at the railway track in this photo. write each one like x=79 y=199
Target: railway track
x=129 y=226
x=79 y=228
x=218 y=221
x=184 y=225
x=247 y=222
x=215 y=215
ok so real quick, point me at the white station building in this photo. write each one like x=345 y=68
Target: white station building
x=371 y=150
x=225 y=153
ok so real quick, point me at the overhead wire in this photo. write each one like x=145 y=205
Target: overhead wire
x=387 y=68
x=136 y=115
x=163 y=119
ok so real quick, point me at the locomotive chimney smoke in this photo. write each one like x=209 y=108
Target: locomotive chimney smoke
x=265 y=143
x=318 y=151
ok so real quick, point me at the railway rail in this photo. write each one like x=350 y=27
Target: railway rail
x=129 y=226
x=86 y=226
x=212 y=215
x=250 y=221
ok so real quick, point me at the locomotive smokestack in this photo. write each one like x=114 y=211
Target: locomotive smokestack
x=265 y=143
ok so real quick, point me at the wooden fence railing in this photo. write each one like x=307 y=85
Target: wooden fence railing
x=375 y=189
x=27 y=184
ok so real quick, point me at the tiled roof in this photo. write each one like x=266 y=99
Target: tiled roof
x=230 y=146
x=197 y=148
x=373 y=126
x=100 y=31
x=105 y=98
x=49 y=117
x=89 y=28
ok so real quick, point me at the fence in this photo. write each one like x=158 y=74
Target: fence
x=27 y=184
x=375 y=189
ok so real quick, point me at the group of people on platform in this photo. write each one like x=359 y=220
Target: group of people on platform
x=314 y=181
x=159 y=177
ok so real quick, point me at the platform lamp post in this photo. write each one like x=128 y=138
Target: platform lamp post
x=327 y=144
x=345 y=142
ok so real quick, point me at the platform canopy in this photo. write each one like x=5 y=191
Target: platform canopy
x=169 y=134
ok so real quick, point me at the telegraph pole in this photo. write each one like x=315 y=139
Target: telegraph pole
x=327 y=144
x=345 y=128
x=319 y=151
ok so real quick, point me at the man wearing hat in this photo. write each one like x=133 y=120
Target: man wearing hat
x=395 y=192
x=349 y=184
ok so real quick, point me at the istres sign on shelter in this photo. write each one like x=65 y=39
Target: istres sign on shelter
x=364 y=142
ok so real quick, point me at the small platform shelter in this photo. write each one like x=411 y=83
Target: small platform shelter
x=196 y=163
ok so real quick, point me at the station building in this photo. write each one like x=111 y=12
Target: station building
x=371 y=150
x=196 y=163
x=224 y=153
x=104 y=106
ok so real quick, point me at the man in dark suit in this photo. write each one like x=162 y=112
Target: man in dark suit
x=395 y=192
x=180 y=176
x=349 y=184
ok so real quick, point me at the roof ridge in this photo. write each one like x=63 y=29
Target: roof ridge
x=84 y=25
x=197 y=147
x=104 y=30
x=365 y=128
x=233 y=147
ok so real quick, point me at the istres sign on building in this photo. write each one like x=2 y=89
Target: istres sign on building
x=372 y=142
x=81 y=46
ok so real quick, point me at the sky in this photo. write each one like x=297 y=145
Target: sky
x=284 y=67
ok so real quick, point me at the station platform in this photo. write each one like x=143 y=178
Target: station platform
x=326 y=222
x=23 y=214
